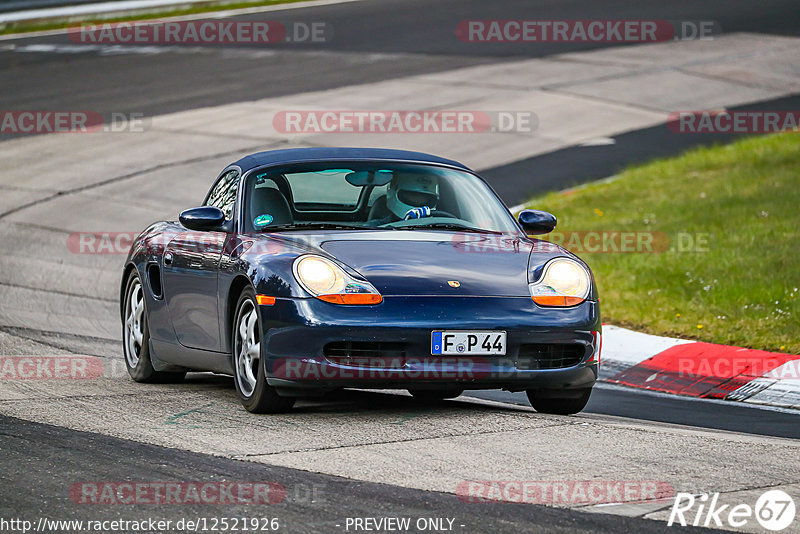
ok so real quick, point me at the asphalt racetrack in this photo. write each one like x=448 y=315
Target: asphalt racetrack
x=352 y=454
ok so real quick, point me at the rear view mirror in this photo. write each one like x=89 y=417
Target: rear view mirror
x=363 y=178
x=203 y=218
x=537 y=222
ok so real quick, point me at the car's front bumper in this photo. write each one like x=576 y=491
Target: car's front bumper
x=297 y=332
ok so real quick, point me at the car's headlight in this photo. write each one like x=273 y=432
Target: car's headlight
x=327 y=281
x=564 y=282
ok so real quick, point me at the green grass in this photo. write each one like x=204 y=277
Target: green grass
x=25 y=27
x=743 y=289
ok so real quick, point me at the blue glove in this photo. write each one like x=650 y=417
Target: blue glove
x=417 y=213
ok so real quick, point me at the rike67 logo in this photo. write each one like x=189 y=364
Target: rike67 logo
x=774 y=510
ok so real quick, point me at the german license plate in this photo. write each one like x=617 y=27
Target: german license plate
x=476 y=342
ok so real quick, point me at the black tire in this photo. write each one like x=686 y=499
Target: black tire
x=565 y=403
x=257 y=397
x=435 y=394
x=137 y=353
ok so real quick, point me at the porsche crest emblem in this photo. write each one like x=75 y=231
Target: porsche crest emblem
x=454 y=283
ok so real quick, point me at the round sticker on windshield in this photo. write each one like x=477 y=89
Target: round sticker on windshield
x=262 y=220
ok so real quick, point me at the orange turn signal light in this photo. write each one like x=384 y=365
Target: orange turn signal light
x=264 y=300
x=352 y=298
x=556 y=300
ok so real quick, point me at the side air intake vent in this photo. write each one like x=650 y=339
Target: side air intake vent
x=154 y=279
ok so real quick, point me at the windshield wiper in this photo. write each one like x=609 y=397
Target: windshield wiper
x=448 y=226
x=315 y=226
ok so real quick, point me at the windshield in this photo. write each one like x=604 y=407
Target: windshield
x=372 y=196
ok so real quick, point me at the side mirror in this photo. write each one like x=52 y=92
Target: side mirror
x=537 y=222
x=203 y=218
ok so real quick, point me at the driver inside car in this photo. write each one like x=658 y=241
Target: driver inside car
x=409 y=196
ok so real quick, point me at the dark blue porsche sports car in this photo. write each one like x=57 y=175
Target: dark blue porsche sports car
x=308 y=270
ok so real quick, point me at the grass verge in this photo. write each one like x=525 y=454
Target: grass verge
x=730 y=271
x=27 y=27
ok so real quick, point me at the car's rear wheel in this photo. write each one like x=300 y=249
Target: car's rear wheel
x=435 y=394
x=248 y=361
x=564 y=402
x=136 y=336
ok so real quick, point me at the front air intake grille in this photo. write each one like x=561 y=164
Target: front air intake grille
x=364 y=353
x=549 y=356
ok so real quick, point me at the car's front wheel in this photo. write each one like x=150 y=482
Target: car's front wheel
x=435 y=394
x=136 y=336
x=565 y=402
x=248 y=362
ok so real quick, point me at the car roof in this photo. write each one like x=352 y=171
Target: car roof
x=301 y=155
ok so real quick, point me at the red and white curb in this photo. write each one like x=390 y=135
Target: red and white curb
x=699 y=369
